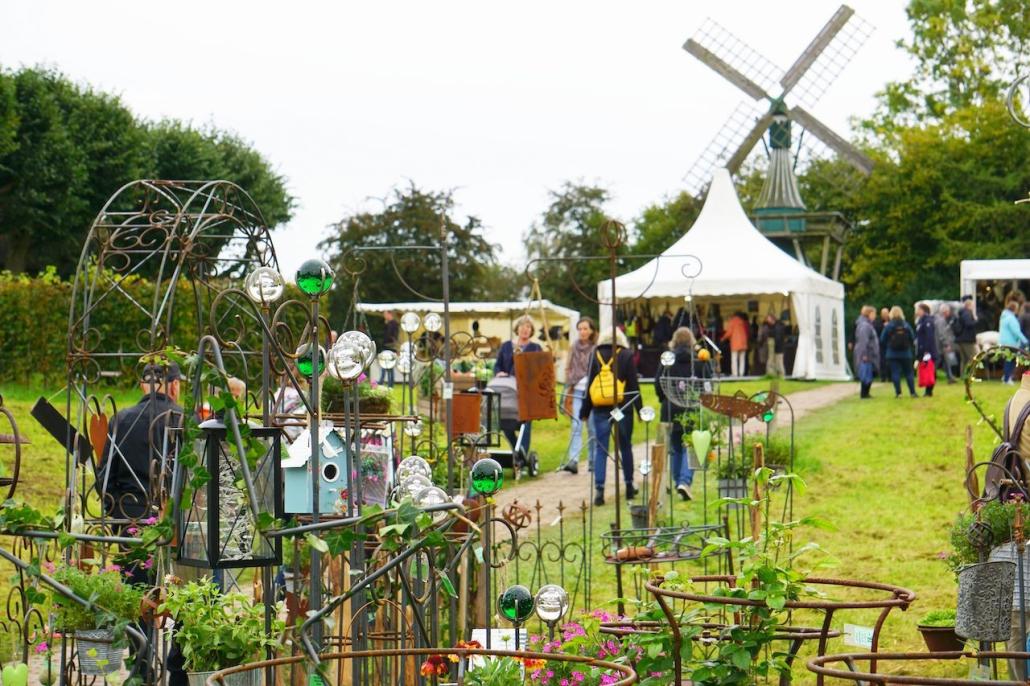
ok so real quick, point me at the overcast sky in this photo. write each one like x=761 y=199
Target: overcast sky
x=499 y=102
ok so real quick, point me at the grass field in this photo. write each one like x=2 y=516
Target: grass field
x=887 y=473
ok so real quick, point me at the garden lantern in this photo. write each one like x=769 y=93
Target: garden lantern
x=216 y=528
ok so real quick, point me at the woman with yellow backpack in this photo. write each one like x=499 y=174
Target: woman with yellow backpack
x=612 y=385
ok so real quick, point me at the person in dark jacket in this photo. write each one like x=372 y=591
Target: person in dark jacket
x=926 y=340
x=867 y=349
x=684 y=372
x=601 y=416
x=898 y=339
x=882 y=322
x=964 y=326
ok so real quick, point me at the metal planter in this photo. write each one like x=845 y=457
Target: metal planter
x=984 y=610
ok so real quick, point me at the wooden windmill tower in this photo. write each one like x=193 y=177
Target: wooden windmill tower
x=780 y=212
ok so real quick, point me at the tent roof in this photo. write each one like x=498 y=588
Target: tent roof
x=736 y=259
x=974 y=270
x=515 y=307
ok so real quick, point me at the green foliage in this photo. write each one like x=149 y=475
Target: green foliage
x=410 y=217
x=997 y=516
x=663 y=223
x=114 y=601
x=938 y=618
x=216 y=630
x=502 y=671
x=65 y=149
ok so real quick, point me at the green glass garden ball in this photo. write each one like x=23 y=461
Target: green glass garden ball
x=314 y=277
x=304 y=365
x=487 y=476
x=516 y=604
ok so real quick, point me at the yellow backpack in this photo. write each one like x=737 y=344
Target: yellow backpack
x=605 y=391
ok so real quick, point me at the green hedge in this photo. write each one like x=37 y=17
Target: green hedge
x=34 y=315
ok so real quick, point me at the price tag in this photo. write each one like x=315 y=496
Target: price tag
x=448 y=390
x=858 y=636
x=617 y=415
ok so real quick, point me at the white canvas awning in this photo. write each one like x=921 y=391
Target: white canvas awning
x=971 y=271
x=737 y=260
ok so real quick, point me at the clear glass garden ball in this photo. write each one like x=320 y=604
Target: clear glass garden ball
x=433 y=322
x=433 y=495
x=314 y=277
x=348 y=361
x=410 y=321
x=264 y=285
x=668 y=358
x=647 y=414
x=414 y=485
x=413 y=429
x=362 y=342
x=552 y=603
x=413 y=466
x=387 y=359
x=404 y=363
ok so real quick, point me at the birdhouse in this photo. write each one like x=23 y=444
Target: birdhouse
x=333 y=469
x=217 y=528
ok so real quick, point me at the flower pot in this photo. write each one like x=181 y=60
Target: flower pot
x=733 y=488
x=941 y=638
x=97 y=654
x=249 y=678
x=639 y=515
x=984 y=611
x=374 y=406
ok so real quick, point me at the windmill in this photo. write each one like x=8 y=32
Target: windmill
x=780 y=212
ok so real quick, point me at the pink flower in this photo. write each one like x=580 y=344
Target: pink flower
x=112 y=568
x=150 y=521
x=132 y=531
x=149 y=562
x=42 y=647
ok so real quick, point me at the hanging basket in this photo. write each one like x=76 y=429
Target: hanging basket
x=96 y=651
x=984 y=610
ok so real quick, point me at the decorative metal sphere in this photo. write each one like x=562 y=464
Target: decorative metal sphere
x=315 y=277
x=304 y=365
x=647 y=414
x=668 y=358
x=410 y=322
x=487 y=476
x=413 y=466
x=348 y=361
x=516 y=604
x=264 y=285
x=552 y=602
x=363 y=343
x=387 y=359
x=413 y=429
x=432 y=322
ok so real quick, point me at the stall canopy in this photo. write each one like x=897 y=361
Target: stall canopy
x=971 y=271
x=737 y=260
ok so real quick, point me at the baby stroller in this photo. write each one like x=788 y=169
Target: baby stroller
x=505 y=388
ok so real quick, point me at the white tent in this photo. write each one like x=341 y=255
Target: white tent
x=737 y=260
x=971 y=271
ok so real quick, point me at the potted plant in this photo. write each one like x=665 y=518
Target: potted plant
x=218 y=630
x=483 y=375
x=373 y=398
x=732 y=480
x=98 y=630
x=938 y=630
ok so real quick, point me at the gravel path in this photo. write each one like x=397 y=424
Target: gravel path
x=572 y=490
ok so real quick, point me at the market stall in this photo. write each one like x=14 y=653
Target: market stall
x=740 y=270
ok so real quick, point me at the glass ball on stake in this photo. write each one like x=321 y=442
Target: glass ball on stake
x=552 y=603
x=412 y=466
x=387 y=359
x=264 y=285
x=431 y=497
x=647 y=414
x=314 y=277
x=410 y=321
x=516 y=605
x=413 y=429
x=432 y=322
x=348 y=361
x=487 y=476
x=304 y=362
x=667 y=358
x=412 y=486
x=363 y=343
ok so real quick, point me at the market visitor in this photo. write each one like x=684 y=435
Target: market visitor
x=576 y=365
x=775 y=335
x=1010 y=334
x=601 y=416
x=867 y=349
x=947 y=357
x=1024 y=319
x=926 y=348
x=685 y=370
x=504 y=365
x=898 y=339
x=391 y=337
x=737 y=330
x=885 y=318
x=964 y=327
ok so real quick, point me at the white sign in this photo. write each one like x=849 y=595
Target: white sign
x=858 y=636
x=448 y=390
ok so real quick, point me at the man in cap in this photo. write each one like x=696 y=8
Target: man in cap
x=137 y=437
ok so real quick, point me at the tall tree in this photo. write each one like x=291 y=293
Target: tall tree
x=663 y=223
x=409 y=217
x=966 y=52
x=570 y=229
x=65 y=149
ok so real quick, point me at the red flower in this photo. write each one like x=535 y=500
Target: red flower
x=434 y=664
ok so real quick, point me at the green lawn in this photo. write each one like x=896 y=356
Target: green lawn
x=888 y=474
